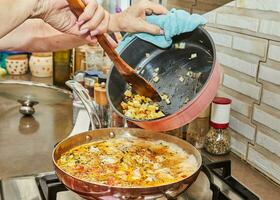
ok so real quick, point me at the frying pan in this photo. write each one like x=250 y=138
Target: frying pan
x=100 y=191
x=188 y=73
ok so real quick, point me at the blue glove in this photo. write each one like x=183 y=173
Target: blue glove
x=173 y=23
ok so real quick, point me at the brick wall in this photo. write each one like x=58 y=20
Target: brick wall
x=247 y=38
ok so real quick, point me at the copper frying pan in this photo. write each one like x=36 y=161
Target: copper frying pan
x=100 y=191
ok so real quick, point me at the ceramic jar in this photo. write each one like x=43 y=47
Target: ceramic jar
x=17 y=64
x=41 y=64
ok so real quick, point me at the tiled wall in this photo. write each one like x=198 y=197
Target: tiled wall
x=196 y=6
x=247 y=38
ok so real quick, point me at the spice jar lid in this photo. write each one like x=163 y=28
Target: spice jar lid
x=220 y=112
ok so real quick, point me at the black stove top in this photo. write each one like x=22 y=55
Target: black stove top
x=47 y=186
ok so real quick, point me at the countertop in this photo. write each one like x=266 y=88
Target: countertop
x=259 y=184
x=28 y=77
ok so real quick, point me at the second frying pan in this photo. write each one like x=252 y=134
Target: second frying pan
x=187 y=73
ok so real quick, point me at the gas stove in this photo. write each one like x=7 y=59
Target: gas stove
x=213 y=183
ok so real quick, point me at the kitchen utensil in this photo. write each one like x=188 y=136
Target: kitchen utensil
x=17 y=64
x=41 y=64
x=51 y=123
x=101 y=191
x=188 y=73
x=83 y=95
x=139 y=84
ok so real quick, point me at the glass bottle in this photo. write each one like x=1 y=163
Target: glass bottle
x=198 y=129
x=217 y=140
x=102 y=104
x=62 y=66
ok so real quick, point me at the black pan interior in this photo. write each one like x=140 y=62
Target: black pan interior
x=183 y=68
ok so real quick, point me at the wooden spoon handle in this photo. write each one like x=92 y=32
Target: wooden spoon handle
x=77 y=7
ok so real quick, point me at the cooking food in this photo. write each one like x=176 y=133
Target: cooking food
x=139 y=107
x=128 y=162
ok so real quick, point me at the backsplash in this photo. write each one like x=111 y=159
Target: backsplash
x=247 y=38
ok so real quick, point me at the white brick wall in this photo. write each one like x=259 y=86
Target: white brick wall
x=221 y=38
x=269 y=139
x=242 y=85
x=267 y=5
x=267 y=116
x=271 y=96
x=274 y=51
x=270 y=27
x=242 y=126
x=270 y=73
x=230 y=4
x=263 y=161
x=250 y=44
x=211 y=17
x=238 y=21
x=238 y=144
x=236 y=63
x=247 y=38
x=240 y=103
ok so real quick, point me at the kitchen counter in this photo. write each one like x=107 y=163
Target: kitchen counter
x=28 y=77
x=26 y=143
x=249 y=177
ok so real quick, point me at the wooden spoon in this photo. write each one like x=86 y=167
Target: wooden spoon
x=138 y=83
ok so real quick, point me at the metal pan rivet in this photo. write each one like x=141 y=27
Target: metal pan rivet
x=88 y=137
x=112 y=135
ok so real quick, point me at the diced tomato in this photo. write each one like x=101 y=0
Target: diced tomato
x=111 y=181
x=113 y=167
x=80 y=168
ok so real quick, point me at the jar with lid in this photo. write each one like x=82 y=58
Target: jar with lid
x=198 y=129
x=217 y=140
x=62 y=63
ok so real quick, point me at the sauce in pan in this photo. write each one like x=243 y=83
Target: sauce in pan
x=128 y=162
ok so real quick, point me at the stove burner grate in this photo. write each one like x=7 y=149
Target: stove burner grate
x=49 y=186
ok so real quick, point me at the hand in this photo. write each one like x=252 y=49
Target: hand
x=57 y=13
x=133 y=19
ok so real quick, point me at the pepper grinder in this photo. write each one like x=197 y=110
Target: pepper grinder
x=217 y=140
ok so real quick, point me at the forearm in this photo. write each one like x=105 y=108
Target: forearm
x=35 y=35
x=13 y=13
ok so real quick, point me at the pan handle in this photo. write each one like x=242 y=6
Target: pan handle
x=83 y=95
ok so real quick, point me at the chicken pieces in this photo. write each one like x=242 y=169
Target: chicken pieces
x=139 y=107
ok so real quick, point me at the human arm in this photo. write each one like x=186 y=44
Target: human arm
x=36 y=35
x=64 y=29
